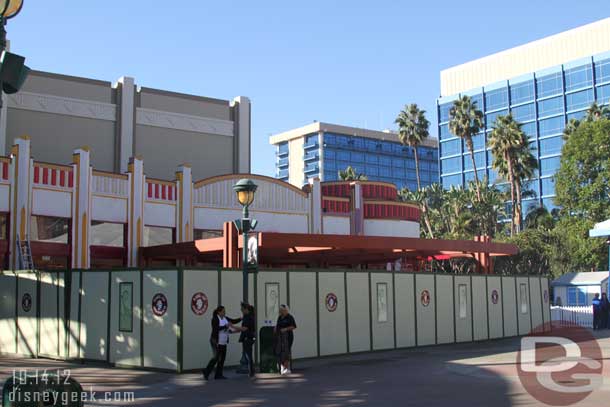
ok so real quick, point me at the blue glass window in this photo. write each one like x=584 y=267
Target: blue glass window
x=529 y=129
x=452 y=180
x=548 y=166
x=451 y=147
x=603 y=94
x=282 y=148
x=554 y=125
x=330 y=139
x=398 y=163
x=577 y=115
x=385 y=160
x=329 y=154
x=371 y=171
x=549 y=146
x=522 y=92
x=385 y=171
x=602 y=71
x=358 y=143
x=548 y=186
x=372 y=159
x=579 y=77
x=444 y=132
x=477 y=101
x=496 y=99
x=524 y=113
x=451 y=165
x=343 y=155
x=579 y=100
x=478 y=141
x=549 y=85
x=330 y=165
x=469 y=176
x=479 y=158
x=490 y=118
x=357 y=157
x=330 y=176
x=550 y=107
x=443 y=111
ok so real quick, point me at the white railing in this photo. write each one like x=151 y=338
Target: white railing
x=582 y=316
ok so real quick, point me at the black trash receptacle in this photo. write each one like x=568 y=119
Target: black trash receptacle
x=35 y=391
x=268 y=359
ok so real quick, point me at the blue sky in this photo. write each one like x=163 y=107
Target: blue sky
x=353 y=63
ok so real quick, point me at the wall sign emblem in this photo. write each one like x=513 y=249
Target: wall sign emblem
x=199 y=303
x=495 y=296
x=159 y=304
x=26 y=302
x=425 y=298
x=331 y=302
x=546 y=296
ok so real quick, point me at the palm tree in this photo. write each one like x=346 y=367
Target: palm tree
x=596 y=112
x=570 y=128
x=418 y=197
x=466 y=121
x=412 y=131
x=505 y=139
x=525 y=167
x=349 y=174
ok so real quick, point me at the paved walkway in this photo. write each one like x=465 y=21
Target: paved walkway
x=480 y=374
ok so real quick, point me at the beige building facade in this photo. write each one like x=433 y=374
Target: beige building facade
x=119 y=120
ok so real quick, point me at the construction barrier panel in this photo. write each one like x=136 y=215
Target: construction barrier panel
x=161 y=319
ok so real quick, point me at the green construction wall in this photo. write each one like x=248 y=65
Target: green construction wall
x=375 y=310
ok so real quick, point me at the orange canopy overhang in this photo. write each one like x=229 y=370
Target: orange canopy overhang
x=327 y=250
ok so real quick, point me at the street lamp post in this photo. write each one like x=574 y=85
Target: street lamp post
x=245 y=190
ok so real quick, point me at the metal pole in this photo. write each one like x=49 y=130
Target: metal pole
x=245 y=229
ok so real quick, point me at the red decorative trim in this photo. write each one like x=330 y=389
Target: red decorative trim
x=329 y=205
x=389 y=211
x=5 y=171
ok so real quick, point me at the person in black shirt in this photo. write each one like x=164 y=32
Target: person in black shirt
x=248 y=334
x=221 y=327
x=285 y=337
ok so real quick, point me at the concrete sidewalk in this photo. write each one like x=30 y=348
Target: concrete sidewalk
x=475 y=374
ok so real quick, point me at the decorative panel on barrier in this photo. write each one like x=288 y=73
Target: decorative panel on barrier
x=303 y=308
x=331 y=304
x=126 y=318
x=382 y=306
x=405 y=310
x=8 y=331
x=495 y=306
x=161 y=327
x=200 y=297
x=27 y=312
x=425 y=300
x=463 y=309
x=524 y=320
x=445 y=328
x=358 y=313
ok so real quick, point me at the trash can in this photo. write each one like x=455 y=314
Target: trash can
x=268 y=359
x=47 y=390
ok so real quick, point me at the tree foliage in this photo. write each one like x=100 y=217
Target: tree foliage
x=349 y=174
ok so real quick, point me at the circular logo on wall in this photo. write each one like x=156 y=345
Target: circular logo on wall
x=546 y=296
x=199 y=303
x=425 y=298
x=26 y=302
x=562 y=366
x=495 y=296
x=331 y=302
x=159 y=304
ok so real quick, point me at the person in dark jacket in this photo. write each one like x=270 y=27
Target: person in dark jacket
x=596 y=311
x=285 y=337
x=248 y=334
x=221 y=328
x=605 y=310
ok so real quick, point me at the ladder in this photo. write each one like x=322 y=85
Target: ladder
x=24 y=253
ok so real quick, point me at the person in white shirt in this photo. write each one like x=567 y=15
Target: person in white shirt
x=221 y=329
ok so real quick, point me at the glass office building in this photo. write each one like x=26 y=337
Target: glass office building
x=543 y=101
x=322 y=150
